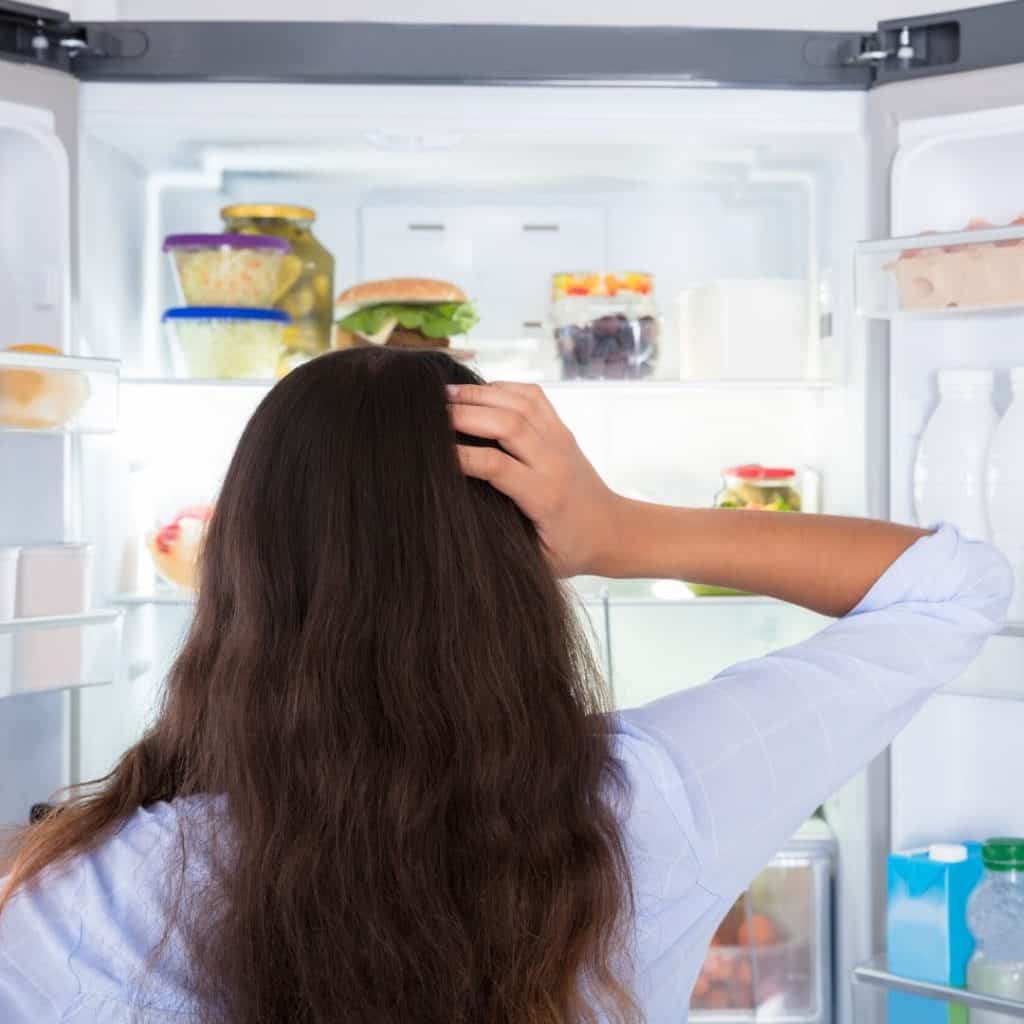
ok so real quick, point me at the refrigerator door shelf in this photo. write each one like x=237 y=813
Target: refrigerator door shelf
x=59 y=652
x=44 y=393
x=872 y=981
x=979 y=270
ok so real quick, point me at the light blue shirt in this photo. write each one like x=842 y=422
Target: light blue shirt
x=721 y=777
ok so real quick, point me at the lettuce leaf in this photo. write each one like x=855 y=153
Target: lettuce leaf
x=436 y=320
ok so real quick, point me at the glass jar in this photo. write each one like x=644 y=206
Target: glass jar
x=305 y=289
x=759 y=488
x=605 y=324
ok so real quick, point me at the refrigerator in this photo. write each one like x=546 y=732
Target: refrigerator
x=768 y=181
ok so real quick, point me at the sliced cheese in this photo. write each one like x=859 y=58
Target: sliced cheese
x=381 y=337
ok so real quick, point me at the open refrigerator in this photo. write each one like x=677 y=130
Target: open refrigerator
x=730 y=165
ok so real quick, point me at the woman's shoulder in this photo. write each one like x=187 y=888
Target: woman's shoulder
x=95 y=929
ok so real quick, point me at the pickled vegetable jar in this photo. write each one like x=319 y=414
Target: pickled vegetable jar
x=755 y=488
x=606 y=324
x=305 y=288
x=759 y=488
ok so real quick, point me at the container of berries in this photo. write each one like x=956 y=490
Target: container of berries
x=605 y=324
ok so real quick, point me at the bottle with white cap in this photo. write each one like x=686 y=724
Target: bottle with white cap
x=1004 y=486
x=949 y=471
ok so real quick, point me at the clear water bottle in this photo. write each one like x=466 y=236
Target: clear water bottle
x=1004 y=486
x=949 y=471
x=995 y=916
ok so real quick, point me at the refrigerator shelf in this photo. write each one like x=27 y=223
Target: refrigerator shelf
x=875 y=973
x=956 y=273
x=164 y=596
x=656 y=385
x=57 y=394
x=59 y=652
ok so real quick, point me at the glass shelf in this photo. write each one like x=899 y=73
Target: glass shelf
x=875 y=973
x=56 y=394
x=976 y=271
x=657 y=385
x=165 y=597
x=59 y=652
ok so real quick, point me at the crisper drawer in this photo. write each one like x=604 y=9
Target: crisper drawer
x=771 y=958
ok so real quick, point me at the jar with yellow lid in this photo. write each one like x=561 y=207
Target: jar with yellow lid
x=305 y=289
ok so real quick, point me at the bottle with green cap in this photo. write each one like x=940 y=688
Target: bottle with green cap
x=995 y=915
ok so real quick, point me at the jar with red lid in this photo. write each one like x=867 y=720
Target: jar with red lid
x=759 y=488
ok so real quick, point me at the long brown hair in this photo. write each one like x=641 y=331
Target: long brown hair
x=388 y=690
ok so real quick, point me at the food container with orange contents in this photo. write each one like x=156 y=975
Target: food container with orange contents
x=226 y=270
x=605 y=324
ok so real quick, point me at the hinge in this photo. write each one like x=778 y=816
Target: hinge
x=875 y=51
x=40 y=35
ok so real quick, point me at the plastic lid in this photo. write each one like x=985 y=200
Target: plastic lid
x=1003 y=854
x=947 y=853
x=231 y=241
x=964 y=380
x=755 y=471
x=225 y=313
x=286 y=211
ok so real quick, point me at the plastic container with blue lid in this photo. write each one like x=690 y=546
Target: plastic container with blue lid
x=228 y=342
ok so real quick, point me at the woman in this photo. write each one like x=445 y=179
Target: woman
x=383 y=786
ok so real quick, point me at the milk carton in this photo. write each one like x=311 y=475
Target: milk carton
x=927 y=926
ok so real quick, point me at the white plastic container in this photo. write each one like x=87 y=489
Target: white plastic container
x=949 y=471
x=8 y=589
x=53 y=579
x=8 y=581
x=744 y=330
x=1004 y=488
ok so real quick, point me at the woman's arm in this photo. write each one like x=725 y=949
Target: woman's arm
x=821 y=562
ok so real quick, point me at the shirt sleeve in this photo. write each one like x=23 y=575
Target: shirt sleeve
x=743 y=760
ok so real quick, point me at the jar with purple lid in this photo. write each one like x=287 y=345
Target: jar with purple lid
x=605 y=324
x=232 y=270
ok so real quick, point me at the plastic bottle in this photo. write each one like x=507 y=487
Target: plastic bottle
x=949 y=471
x=995 y=916
x=1004 y=487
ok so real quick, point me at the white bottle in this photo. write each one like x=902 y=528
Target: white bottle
x=1004 y=487
x=949 y=471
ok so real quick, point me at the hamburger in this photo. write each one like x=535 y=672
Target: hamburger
x=403 y=312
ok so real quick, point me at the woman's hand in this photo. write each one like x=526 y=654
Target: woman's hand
x=541 y=468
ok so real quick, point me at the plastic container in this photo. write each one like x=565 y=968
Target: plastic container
x=605 y=324
x=37 y=399
x=305 y=289
x=995 y=915
x=1004 y=488
x=927 y=936
x=8 y=581
x=226 y=270
x=175 y=546
x=223 y=342
x=949 y=470
x=744 y=330
x=53 y=579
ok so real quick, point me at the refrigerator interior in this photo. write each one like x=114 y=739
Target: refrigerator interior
x=497 y=190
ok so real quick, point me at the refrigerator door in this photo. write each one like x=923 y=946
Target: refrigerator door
x=38 y=139
x=947 y=144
